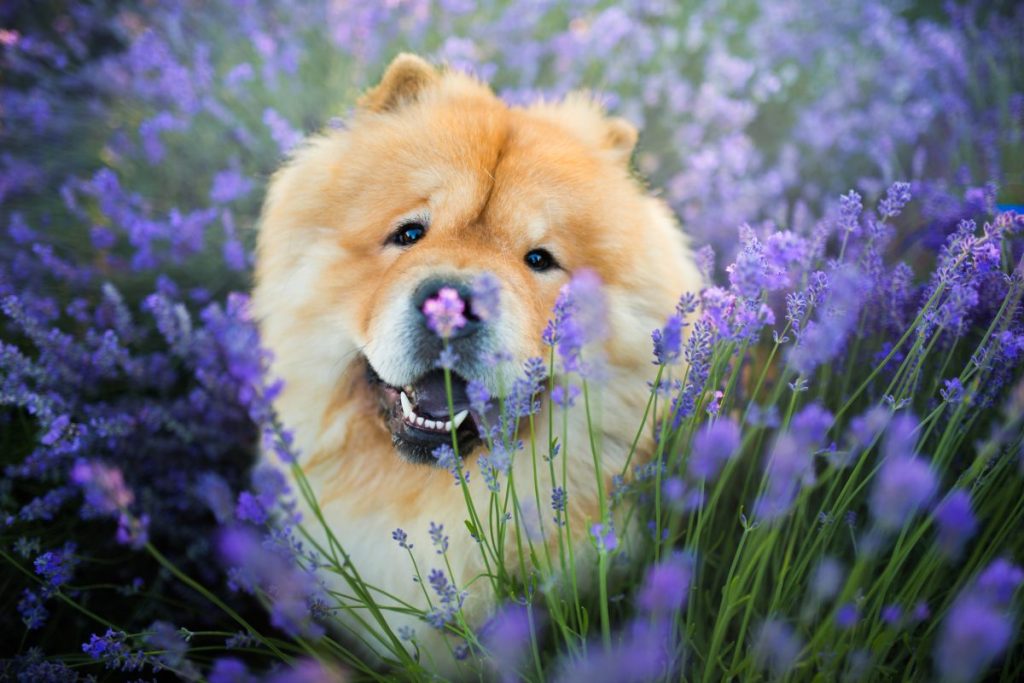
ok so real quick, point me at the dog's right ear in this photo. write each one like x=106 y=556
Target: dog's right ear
x=405 y=79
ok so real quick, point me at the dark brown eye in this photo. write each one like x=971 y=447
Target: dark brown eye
x=540 y=260
x=409 y=234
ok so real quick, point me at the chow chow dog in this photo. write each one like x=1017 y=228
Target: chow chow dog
x=434 y=181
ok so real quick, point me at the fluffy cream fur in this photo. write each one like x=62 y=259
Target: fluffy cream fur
x=495 y=182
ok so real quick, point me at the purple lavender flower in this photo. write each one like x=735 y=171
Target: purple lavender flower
x=230 y=670
x=668 y=341
x=565 y=396
x=776 y=647
x=952 y=391
x=823 y=338
x=666 y=585
x=229 y=185
x=216 y=494
x=604 y=537
x=697 y=353
x=999 y=581
x=171 y=647
x=478 y=395
x=790 y=463
x=892 y=615
x=847 y=616
x=643 y=651
x=495 y=463
x=281 y=130
x=559 y=500
x=974 y=634
x=850 y=207
x=444 y=312
x=552 y=334
x=506 y=636
x=402 y=538
x=104 y=487
x=32 y=610
x=449 y=598
x=896 y=197
x=584 y=325
x=438 y=538
x=257 y=569
x=446 y=458
x=712 y=447
x=903 y=486
x=956 y=523
x=307 y=671
x=447 y=359
x=486 y=296
x=112 y=649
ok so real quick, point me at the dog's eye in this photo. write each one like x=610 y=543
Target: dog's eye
x=540 y=260
x=408 y=234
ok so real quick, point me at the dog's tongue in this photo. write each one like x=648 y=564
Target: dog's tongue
x=431 y=398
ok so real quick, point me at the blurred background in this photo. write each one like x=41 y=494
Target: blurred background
x=147 y=130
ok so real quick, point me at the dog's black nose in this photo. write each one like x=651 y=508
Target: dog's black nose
x=431 y=289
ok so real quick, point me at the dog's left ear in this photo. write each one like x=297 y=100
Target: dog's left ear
x=403 y=82
x=621 y=138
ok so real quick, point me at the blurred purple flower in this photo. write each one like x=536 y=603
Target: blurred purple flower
x=506 y=637
x=892 y=615
x=644 y=651
x=444 y=312
x=776 y=647
x=32 y=610
x=972 y=637
x=260 y=570
x=559 y=501
x=230 y=670
x=956 y=523
x=583 y=324
x=666 y=585
x=56 y=567
x=903 y=486
x=112 y=649
x=952 y=391
x=999 y=581
x=668 y=341
x=712 y=446
x=280 y=130
x=486 y=301
x=229 y=185
x=604 y=537
x=104 y=487
x=307 y=671
x=896 y=197
x=565 y=396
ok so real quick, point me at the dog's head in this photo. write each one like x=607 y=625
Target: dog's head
x=434 y=182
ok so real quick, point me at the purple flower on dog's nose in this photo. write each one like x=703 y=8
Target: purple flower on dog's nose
x=444 y=312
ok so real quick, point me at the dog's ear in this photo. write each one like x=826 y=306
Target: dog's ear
x=621 y=138
x=405 y=79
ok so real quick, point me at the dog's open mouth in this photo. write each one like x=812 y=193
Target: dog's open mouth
x=420 y=418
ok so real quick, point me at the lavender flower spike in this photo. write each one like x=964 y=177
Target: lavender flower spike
x=444 y=312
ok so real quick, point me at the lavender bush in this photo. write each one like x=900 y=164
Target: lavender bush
x=836 y=487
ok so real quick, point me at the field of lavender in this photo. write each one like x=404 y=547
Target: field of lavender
x=838 y=487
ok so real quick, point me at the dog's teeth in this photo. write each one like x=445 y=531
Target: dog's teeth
x=406 y=406
x=429 y=424
x=419 y=421
x=459 y=419
x=447 y=425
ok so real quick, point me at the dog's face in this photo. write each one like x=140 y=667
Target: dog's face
x=436 y=182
